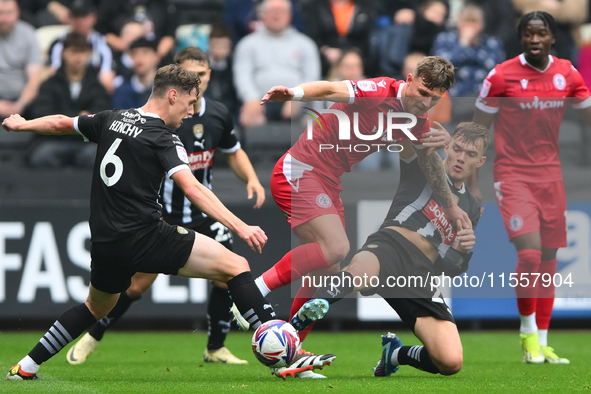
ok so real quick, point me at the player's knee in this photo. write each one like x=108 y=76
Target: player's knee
x=236 y=265
x=450 y=365
x=336 y=251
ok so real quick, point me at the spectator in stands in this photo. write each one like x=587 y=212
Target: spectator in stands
x=348 y=67
x=414 y=28
x=338 y=24
x=157 y=16
x=47 y=12
x=20 y=61
x=499 y=20
x=472 y=52
x=277 y=54
x=73 y=90
x=135 y=90
x=221 y=83
x=131 y=31
x=241 y=17
x=83 y=20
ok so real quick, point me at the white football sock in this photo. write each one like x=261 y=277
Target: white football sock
x=260 y=282
x=543 y=334
x=28 y=365
x=394 y=358
x=528 y=324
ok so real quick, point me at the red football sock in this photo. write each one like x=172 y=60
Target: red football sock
x=545 y=303
x=303 y=295
x=295 y=264
x=528 y=262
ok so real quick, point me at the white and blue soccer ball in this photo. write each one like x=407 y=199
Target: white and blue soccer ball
x=276 y=343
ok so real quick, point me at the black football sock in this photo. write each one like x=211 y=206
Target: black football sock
x=98 y=330
x=418 y=357
x=249 y=300
x=335 y=287
x=219 y=317
x=66 y=328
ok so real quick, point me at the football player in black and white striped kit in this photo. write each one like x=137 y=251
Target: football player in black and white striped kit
x=136 y=149
x=415 y=242
x=209 y=130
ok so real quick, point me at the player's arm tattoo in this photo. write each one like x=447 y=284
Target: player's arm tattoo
x=432 y=167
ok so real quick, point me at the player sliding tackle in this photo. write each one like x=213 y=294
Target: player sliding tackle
x=127 y=233
x=414 y=241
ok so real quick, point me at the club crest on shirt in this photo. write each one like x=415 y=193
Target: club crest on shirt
x=198 y=131
x=516 y=222
x=367 y=86
x=485 y=88
x=323 y=201
x=182 y=230
x=559 y=81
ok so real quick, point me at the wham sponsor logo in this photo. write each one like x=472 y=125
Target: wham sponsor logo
x=440 y=221
x=536 y=103
x=201 y=160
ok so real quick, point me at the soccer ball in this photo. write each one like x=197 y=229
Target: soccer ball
x=275 y=343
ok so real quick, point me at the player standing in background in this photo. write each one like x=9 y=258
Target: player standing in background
x=527 y=97
x=136 y=149
x=209 y=129
x=305 y=181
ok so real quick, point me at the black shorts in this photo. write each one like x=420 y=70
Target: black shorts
x=163 y=248
x=409 y=309
x=405 y=278
x=214 y=230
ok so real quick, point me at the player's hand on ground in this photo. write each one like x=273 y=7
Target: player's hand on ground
x=455 y=213
x=278 y=93
x=13 y=121
x=253 y=188
x=466 y=238
x=435 y=139
x=254 y=236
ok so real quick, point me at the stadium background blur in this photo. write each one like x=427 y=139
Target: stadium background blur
x=44 y=259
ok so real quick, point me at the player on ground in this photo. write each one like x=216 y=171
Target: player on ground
x=416 y=241
x=305 y=181
x=209 y=129
x=527 y=97
x=136 y=149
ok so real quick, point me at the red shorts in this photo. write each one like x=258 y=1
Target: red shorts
x=303 y=195
x=529 y=207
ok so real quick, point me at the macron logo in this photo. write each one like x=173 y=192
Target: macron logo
x=537 y=104
x=524 y=83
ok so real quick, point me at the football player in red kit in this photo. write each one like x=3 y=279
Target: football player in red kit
x=526 y=97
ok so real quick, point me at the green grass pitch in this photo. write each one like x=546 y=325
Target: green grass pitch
x=171 y=362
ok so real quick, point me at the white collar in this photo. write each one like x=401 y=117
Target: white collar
x=141 y=111
x=525 y=62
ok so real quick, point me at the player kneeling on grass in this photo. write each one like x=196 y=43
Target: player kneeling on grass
x=417 y=240
x=136 y=148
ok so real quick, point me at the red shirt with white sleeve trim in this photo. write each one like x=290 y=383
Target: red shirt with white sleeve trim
x=529 y=105
x=330 y=154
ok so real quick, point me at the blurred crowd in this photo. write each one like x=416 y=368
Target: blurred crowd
x=82 y=56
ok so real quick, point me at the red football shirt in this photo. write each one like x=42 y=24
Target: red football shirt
x=332 y=148
x=529 y=105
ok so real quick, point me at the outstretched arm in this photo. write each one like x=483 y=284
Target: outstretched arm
x=242 y=167
x=310 y=91
x=51 y=125
x=206 y=201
